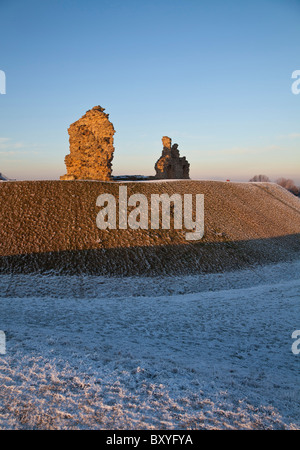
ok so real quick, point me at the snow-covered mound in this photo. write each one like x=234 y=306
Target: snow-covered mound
x=85 y=354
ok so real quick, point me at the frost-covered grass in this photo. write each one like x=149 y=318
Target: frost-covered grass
x=207 y=351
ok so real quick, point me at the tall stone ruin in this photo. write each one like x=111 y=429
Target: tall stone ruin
x=91 y=147
x=170 y=165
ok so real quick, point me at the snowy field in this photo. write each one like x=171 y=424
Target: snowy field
x=211 y=351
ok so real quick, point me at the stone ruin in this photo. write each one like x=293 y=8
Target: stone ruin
x=91 y=147
x=170 y=165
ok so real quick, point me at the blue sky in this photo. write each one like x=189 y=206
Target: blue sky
x=215 y=76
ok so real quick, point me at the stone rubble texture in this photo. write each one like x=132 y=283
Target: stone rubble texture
x=91 y=147
x=170 y=165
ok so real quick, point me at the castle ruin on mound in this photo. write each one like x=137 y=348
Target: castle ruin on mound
x=170 y=165
x=91 y=147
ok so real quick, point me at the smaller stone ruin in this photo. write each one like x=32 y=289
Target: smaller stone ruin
x=170 y=165
x=91 y=147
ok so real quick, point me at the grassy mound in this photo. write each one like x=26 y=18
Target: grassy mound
x=51 y=226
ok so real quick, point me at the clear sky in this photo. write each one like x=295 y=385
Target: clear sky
x=213 y=75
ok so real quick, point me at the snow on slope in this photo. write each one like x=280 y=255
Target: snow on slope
x=217 y=358
x=90 y=286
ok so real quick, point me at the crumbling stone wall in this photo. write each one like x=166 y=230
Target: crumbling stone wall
x=91 y=147
x=170 y=165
